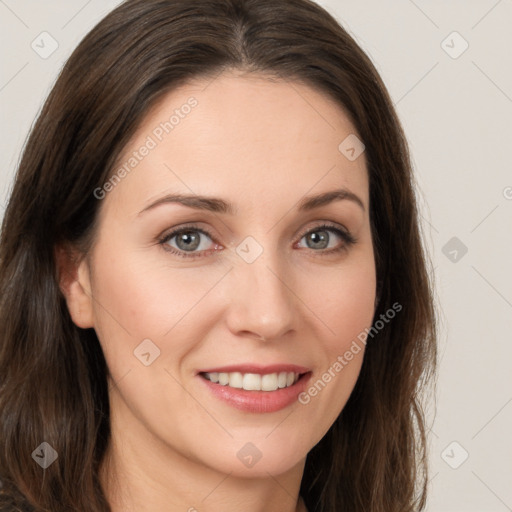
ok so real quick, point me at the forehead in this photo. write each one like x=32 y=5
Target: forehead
x=249 y=136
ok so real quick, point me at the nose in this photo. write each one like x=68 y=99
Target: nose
x=262 y=300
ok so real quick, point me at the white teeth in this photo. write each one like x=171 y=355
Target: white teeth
x=254 y=381
x=235 y=380
x=269 y=382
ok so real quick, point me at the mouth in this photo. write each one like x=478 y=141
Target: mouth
x=256 y=389
x=254 y=381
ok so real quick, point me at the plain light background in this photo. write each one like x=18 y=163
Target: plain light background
x=455 y=104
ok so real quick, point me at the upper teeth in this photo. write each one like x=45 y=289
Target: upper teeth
x=254 y=381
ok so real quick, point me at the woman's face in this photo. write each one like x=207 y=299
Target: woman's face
x=252 y=291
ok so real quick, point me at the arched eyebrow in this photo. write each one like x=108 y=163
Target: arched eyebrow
x=311 y=202
x=218 y=205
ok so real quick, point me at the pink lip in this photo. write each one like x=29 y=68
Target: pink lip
x=258 y=401
x=252 y=368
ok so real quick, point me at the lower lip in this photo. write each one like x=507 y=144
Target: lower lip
x=258 y=401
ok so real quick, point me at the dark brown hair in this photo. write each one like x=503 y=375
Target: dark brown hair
x=53 y=383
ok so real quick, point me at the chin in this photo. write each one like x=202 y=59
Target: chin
x=260 y=457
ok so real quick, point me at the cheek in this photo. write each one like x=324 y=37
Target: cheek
x=344 y=303
x=343 y=298
x=139 y=297
x=350 y=308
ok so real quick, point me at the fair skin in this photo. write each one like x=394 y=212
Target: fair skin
x=264 y=146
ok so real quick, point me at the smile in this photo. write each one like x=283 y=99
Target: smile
x=253 y=381
x=254 y=388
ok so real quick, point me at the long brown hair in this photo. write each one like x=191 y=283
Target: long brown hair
x=53 y=385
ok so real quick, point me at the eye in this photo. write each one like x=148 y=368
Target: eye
x=319 y=238
x=192 y=242
x=188 y=240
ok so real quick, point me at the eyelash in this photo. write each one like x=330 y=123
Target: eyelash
x=348 y=239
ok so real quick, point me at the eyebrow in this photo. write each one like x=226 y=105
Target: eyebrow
x=218 y=205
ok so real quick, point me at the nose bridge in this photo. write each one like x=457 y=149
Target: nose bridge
x=263 y=301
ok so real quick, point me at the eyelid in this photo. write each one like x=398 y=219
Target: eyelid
x=332 y=226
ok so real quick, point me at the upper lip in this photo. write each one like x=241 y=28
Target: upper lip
x=254 y=368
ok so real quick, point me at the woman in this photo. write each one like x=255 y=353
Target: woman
x=214 y=294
